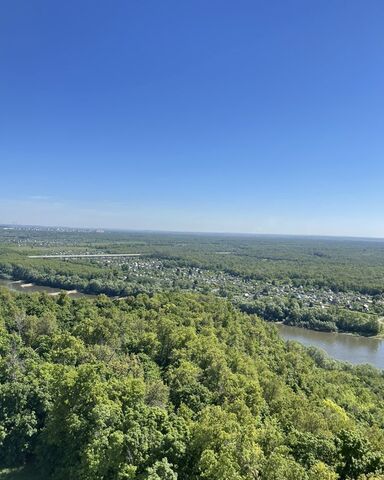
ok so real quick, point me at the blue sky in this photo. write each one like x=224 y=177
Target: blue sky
x=199 y=115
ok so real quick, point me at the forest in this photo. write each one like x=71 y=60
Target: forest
x=329 y=284
x=176 y=385
x=135 y=342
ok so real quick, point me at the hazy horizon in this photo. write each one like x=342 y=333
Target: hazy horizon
x=186 y=232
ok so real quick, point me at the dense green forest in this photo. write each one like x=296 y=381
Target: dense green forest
x=177 y=386
x=336 y=263
x=318 y=283
x=290 y=312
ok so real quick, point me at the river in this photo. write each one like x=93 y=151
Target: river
x=16 y=286
x=348 y=348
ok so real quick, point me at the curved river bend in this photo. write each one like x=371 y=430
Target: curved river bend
x=340 y=346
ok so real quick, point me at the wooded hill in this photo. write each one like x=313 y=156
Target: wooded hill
x=177 y=386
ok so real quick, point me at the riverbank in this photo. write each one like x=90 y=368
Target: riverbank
x=380 y=336
x=20 y=286
x=33 y=285
x=343 y=346
x=354 y=349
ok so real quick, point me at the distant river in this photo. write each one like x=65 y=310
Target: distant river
x=340 y=346
x=17 y=287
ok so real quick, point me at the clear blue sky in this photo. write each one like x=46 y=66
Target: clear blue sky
x=201 y=115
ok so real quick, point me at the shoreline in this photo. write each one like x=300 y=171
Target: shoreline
x=72 y=291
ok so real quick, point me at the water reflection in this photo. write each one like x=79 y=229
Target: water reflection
x=347 y=348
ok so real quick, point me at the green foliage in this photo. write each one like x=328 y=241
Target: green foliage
x=176 y=386
x=161 y=470
x=322 y=284
x=23 y=473
x=330 y=320
x=356 y=456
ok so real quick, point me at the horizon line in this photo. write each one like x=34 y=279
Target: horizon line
x=191 y=232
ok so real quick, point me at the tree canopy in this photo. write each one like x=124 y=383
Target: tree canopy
x=177 y=386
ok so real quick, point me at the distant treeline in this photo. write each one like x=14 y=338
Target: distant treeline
x=282 y=309
x=88 y=282
x=338 y=278
x=338 y=264
x=329 y=319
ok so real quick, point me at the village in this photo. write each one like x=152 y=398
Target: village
x=157 y=274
